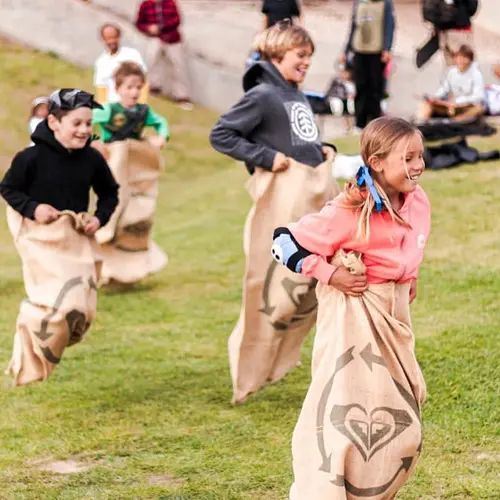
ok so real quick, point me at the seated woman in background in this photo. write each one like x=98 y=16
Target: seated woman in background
x=461 y=96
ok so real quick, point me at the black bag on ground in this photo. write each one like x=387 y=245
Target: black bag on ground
x=454 y=154
x=437 y=129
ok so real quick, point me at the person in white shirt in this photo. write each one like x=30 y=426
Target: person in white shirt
x=109 y=61
x=461 y=96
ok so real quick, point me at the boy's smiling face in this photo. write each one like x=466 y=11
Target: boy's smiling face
x=74 y=129
x=295 y=64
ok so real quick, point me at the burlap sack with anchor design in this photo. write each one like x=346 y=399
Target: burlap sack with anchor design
x=359 y=433
x=128 y=251
x=279 y=307
x=60 y=277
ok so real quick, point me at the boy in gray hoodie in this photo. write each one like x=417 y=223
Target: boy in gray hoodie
x=273 y=122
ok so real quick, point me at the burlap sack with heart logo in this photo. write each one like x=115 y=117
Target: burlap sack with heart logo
x=128 y=251
x=279 y=307
x=60 y=272
x=359 y=433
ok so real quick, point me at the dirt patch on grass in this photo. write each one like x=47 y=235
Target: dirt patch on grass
x=165 y=479
x=490 y=457
x=69 y=466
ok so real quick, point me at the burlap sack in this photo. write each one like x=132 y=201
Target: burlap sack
x=128 y=251
x=359 y=433
x=279 y=307
x=60 y=277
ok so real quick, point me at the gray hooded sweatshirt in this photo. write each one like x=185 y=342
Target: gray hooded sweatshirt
x=273 y=116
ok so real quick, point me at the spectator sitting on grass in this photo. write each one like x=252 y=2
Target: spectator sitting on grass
x=461 y=96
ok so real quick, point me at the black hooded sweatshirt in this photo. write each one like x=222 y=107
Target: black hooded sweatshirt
x=49 y=173
x=273 y=116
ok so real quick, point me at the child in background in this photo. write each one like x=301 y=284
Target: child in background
x=39 y=111
x=47 y=190
x=129 y=254
x=126 y=119
x=461 y=96
x=342 y=92
x=380 y=223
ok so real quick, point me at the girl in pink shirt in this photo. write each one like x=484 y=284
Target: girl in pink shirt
x=367 y=388
x=384 y=215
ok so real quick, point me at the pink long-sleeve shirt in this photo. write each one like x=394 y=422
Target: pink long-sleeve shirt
x=393 y=252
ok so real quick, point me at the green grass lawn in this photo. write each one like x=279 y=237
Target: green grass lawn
x=144 y=401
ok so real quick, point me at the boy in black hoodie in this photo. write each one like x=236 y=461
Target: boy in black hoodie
x=49 y=183
x=58 y=172
x=273 y=121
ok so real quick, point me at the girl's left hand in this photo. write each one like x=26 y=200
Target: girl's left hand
x=92 y=226
x=413 y=290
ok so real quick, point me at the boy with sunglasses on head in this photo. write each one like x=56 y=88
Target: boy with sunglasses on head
x=47 y=190
x=58 y=172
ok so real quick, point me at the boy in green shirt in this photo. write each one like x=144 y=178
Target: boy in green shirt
x=127 y=118
x=126 y=246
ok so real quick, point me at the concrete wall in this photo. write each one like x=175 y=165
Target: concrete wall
x=217 y=45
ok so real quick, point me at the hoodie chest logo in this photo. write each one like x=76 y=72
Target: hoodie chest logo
x=302 y=122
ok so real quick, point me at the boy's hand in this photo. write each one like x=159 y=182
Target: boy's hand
x=386 y=56
x=158 y=141
x=280 y=163
x=348 y=283
x=328 y=153
x=92 y=226
x=413 y=290
x=45 y=214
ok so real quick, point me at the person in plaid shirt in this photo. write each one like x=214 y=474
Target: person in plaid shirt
x=160 y=20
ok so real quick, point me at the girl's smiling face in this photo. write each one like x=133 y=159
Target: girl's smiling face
x=400 y=171
x=295 y=64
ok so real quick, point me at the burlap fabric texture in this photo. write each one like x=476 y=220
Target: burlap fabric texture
x=128 y=251
x=278 y=307
x=359 y=433
x=60 y=271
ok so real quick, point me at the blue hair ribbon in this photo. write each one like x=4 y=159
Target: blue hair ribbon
x=364 y=178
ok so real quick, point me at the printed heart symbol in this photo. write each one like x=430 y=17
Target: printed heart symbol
x=369 y=432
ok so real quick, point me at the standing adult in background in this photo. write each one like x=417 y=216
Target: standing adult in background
x=108 y=62
x=160 y=20
x=370 y=39
x=452 y=20
x=275 y=11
